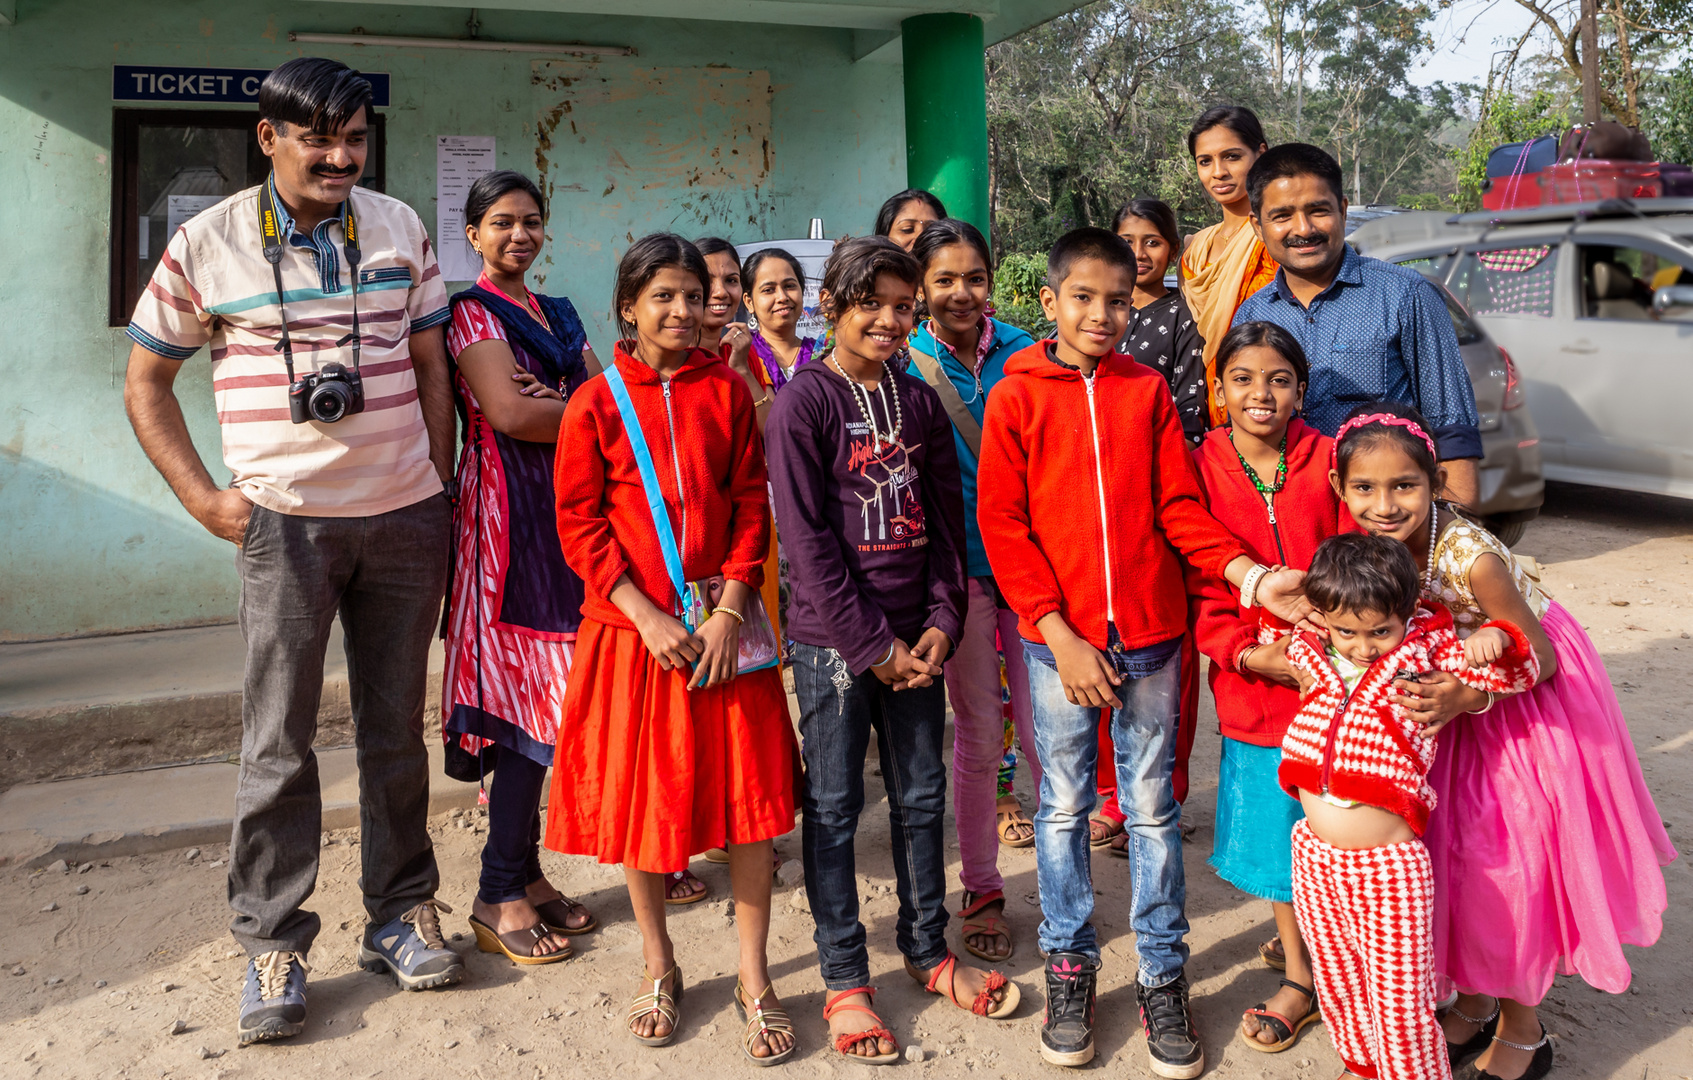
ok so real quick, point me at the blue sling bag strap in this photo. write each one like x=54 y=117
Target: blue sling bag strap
x=649 y=481
x=757 y=641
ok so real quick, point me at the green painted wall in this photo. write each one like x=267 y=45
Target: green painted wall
x=91 y=540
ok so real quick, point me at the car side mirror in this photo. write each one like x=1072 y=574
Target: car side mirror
x=1671 y=296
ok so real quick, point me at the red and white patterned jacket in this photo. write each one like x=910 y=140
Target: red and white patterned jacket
x=1359 y=745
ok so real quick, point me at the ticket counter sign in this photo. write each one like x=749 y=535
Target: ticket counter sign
x=211 y=86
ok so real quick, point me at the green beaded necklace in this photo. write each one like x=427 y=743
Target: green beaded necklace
x=1281 y=468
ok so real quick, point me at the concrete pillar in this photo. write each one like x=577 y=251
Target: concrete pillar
x=946 y=112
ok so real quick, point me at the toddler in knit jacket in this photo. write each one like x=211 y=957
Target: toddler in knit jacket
x=1362 y=881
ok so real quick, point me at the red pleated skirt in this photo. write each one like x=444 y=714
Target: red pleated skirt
x=649 y=773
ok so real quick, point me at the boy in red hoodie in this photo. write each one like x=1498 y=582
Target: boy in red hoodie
x=1086 y=494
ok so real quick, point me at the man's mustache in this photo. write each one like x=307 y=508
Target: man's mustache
x=327 y=170
x=1316 y=239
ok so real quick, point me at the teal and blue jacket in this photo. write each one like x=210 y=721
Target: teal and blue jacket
x=1007 y=339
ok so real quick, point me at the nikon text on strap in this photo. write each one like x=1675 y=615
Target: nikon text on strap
x=270 y=230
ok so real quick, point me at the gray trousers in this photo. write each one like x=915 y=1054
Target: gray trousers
x=385 y=576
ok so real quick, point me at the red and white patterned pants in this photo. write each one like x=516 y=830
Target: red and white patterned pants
x=1367 y=917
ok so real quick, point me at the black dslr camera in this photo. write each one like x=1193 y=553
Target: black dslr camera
x=326 y=396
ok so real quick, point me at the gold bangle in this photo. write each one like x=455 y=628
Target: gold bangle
x=730 y=611
x=765 y=400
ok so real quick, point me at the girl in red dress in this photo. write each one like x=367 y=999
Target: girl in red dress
x=672 y=750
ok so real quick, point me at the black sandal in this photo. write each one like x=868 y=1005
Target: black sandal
x=1285 y=1030
x=1538 y=1066
x=1458 y=1053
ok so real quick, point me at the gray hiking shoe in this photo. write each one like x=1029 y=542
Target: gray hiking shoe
x=273 y=997
x=412 y=947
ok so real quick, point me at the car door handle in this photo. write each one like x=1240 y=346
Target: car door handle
x=1579 y=347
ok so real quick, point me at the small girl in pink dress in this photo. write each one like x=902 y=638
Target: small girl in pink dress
x=1547 y=846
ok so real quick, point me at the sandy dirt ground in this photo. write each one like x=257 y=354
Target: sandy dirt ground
x=96 y=968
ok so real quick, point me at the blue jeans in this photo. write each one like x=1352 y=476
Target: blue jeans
x=837 y=711
x=1067 y=738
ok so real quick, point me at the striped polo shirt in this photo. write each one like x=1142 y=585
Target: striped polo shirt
x=214 y=287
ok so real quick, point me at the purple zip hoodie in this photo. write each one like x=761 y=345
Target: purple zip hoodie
x=874 y=534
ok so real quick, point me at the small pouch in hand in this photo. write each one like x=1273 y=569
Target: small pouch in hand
x=758 y=637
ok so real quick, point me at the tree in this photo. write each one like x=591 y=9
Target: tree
x=1632 y=35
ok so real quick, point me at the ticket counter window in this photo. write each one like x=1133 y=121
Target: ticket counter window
x=170 y=165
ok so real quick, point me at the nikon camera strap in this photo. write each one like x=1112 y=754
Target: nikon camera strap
x=270 y=230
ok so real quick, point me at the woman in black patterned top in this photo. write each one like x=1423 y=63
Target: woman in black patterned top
x=1162 y=334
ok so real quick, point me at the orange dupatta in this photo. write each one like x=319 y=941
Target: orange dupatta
x=1217 y=277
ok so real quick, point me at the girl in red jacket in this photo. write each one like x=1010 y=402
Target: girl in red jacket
x=1266 y=477
x=668 y=749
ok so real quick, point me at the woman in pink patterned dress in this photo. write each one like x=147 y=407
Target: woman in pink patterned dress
x=515 y=604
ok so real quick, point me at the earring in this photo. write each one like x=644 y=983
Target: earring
x=752 y=322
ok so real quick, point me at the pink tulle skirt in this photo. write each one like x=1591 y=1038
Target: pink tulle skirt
x=1546 y=845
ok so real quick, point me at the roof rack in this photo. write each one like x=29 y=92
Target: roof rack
x=1580 y=211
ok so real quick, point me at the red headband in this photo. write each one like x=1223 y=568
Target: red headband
x=1380 y=418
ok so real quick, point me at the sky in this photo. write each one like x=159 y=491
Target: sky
x=1465 y=37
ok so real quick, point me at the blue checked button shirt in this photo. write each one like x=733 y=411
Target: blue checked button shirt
x=1379 y=332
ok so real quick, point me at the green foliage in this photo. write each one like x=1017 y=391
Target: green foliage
x=1669 y=119
x=1505 y=118
x=1016 y=293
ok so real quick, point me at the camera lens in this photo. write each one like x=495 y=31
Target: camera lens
x=329 y=402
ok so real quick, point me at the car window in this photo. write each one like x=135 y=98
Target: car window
x=1507 y=281
x=1466 y=329
x=1617 y=282
x=1432 y=266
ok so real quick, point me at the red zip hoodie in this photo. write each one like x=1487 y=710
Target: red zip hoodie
x=1251 y=708
x=1085 y=494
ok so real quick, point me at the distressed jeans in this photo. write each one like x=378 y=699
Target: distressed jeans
x=978 y=730
x=385 y=576
x=1144 y=731
x=837 y=711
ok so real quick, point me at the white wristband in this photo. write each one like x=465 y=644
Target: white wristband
x=886 y=658
x=1249 y=585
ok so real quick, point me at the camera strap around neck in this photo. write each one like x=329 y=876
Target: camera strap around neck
x=270 y=230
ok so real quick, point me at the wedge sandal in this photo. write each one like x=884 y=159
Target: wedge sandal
x=984 y=1004
x=1285 y=1029
x=657 y=1001
x=845 y=1041
x=556 y=915
x=1271 y=953
x=763 y=1020
x=976 y=924
x=518 y=946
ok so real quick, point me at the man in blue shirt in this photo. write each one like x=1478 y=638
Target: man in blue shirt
x=1371 y=330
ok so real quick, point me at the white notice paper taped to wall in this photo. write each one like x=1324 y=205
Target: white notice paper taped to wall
x=460 y=160
x=179 y=208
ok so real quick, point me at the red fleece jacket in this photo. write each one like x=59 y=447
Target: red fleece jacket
x=604 y=522
x=1251 y=708
x=1066 y=475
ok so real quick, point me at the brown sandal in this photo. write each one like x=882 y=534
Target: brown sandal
x=984 y=1005
x=1013 y=818
x=518 y=946
x=1273 y=955
x=988 y=925
x=846 y=1040
x=1113 y=829
x=556 y=915
x=1285 y=1029
x=680 y=876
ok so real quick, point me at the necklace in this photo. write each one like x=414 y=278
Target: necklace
x=984 y=342
x=1252 y=474
x=1433 y=536
x=896 y=414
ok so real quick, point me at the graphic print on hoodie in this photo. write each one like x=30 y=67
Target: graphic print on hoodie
x=873 y=534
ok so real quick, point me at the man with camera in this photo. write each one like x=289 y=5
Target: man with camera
x=323 y=306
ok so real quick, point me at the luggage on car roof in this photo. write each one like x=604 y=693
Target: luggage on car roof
x=1511 y=170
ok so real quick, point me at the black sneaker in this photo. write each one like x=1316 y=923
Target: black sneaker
x=1172 y=1041
x=1066 y=1035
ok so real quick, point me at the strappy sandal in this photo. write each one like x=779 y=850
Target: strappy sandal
x=1271 y=953
x=661 y=1001
x=765 y=1021
x=988 y=925
x=1015 y=818
x=846 y=1040
x=984 y=1005
x=672 y=880
x=1113 y=829
x=1458 y=1053
x=555 y=914
x=518 y=946
x=1285 y=1030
